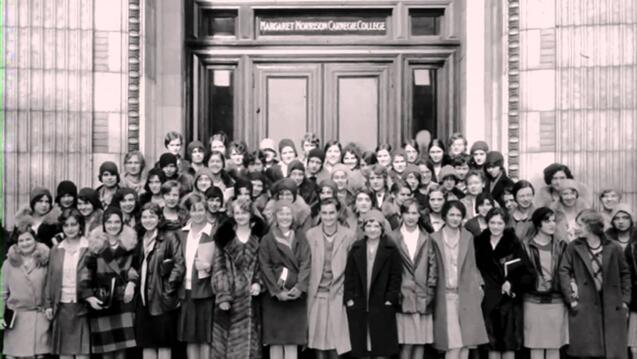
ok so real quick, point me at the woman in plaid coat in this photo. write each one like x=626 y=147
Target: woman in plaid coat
x=107 y=284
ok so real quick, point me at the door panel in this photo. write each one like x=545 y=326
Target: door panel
x=288 y=101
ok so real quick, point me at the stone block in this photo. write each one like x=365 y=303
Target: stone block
x=61 y=91
x=36 y=90
x=86 y=50
x=11 y=47
x=50 y=51
x=49 y=89
x=86 y=91
x=11 y=89
x=538 y=90
x=75 y=49
x=530 y=42
x=60 y=48
x=171 y=90
x=86 y=14
x=109 y=15
x=115 y=48
x=108 y=92
x=116 y=132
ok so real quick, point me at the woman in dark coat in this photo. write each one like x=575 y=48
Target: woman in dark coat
x=373 y=275
x=599 y=294
x=507 y=275
x=284 y=258
x=631 y=258
x=497 y=179
x=237 y=285
x=160 y=263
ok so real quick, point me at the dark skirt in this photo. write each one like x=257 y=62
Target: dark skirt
x=504 y=324
x=284 y=323
x=113 y=332
x=195 y=320
x=70 y=332
x=155 y=331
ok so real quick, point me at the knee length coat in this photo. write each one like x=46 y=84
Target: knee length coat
x=470 y=294
x=369 y=309
x=598 y=325
x=342 y=243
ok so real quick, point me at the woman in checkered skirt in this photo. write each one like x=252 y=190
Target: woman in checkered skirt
x=107 y=283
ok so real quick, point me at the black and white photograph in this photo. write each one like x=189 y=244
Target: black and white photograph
x=318 y=179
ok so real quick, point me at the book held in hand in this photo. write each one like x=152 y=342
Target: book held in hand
x=511 y=265
x=9 y=318
x=105 y=295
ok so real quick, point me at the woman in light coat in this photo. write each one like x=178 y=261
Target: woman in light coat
x=329 y=244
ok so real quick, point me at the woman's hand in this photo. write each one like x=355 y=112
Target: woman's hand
x=350 y=303
x=294 y=293
x=94 y=303
x=225 y=306
x=201 y=265
x=283 y=296
x=388 y=303
x=48 y=313
x=574 y=305
x=255 y=289
x=506 y=288
x=129 y=292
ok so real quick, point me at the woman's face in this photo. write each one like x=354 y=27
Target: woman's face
x=241 y=216
x=610 y=200
x=257 y=188
x=474 y=185
x=376 y=182
x=286 y=195
x=462 y=170
x=169 y=170
x=350 y=160
x=314 y=165
x=269 y=155
x=496 y=225
x=457 y=147
x=363 y=203
x=326 y=192
x=244 y=193
x=412 y=181
x=174 y=146
x=384 y=158
x=215 y=163
x=403 y=194
x=85 y=207
x=524 y=198
x=484 y=208
x=494 y=171
x=373 y=229
x=256 y=166
x=479 y=157
x=297 y=176
x=284 y=217
x=203 y=183
x=287 y=154
x=197 y=155
x=307 y=147
x=128 y=204
x=42 y=206
x=26 y=243
x=154 y=184
x=412 y=154
x=340 y=178
x=113 y=225
x=198 y=213
x=454 y=218
x=218 y=146
x=236 y=157
x=435 y=154
x=580 y=229
x=425 y=173
x=133 y=166
x=109 y=179
x=569 y=197
x=71 y=228
x=213 y=204
x=412 y=216
x=622 y=222
x=171 y=198
x=66 y=201
x=509 y=202
x=548 y=226
x=436 y=201
x=149 y=220
x=333 y=155
x=449 y=183
x=558 y=178
x=329 y=214
x=399 y=164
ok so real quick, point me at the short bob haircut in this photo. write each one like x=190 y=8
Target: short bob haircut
x=453 y=204
x=353 y=149
x=243 y=204
x=72 y=213
x=593 y=220
x=552 y=169
x=219 y=136
x=436 y=142
x=171 y=136
x=311 y=138
x=369 y=157
x=484 y=197
x=140 y=157
x=167 y=186
x=378 y=170
x=520 y=185
x=497 y=211
x=333 y=143
x=194 y=198
x=252 y=157
x=408 y=203
x=540 y=215
x=457 y=136
x=411 y=143
x=238 y=146
x=384 y=146
x=330 y=201
x=474 y=173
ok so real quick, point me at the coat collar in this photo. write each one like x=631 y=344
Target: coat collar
x=207 y=229
x=98 y=239
x=41 y=255
x=360 y=257
x=83 y=244
x=466 y=239
x=582 y=250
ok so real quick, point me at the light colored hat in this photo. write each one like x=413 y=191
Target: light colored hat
x=267 y=144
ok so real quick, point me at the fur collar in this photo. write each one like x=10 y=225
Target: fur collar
x=41 y=255
x=24 y=215
x=98 y=239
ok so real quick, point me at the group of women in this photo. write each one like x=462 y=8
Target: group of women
x=366 y=254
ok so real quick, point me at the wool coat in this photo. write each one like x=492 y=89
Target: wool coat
x=236 y=332
x=470 y=294
x=53 y=288
x=284 y=322
x=369 y=313
x=165 y=270
x=503 y=314
x=343 y=241
x=420 y=274
x=558 y=246
x=631 y=259
x=598 y=324
x=501 y=183
x=23 y=292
